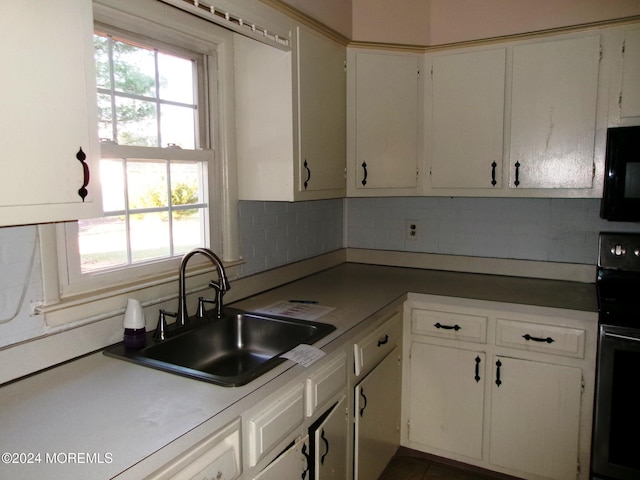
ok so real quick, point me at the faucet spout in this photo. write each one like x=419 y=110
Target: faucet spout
x=221 y=287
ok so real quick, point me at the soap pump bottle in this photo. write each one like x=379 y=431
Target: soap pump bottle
x=135 y=334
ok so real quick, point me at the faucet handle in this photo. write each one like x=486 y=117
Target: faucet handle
x=161 y=328
x=201 y=312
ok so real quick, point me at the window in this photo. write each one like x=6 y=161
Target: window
x=162 y=115
x=154 y=199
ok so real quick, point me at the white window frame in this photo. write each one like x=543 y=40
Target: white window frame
x=153 y=19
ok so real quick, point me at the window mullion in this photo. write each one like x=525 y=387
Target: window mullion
x=128 y=213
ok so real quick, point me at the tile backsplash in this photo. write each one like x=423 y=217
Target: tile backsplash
x=552 y=230
x=276 y=233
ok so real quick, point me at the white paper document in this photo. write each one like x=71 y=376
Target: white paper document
x=296 y=309
x=303 y=354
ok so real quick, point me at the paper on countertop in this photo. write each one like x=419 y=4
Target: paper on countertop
x=301 y=310
x=304 y=354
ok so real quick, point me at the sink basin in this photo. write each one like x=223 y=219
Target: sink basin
x=230 y=351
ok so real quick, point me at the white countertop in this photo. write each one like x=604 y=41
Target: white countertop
x=98 y=416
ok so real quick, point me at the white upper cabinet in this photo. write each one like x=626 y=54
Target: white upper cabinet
x=384 y=121
x=467 y=98
x=630 y=91
x=553 y=113
x=322 y=84
x=49 y=147
x=290 y=118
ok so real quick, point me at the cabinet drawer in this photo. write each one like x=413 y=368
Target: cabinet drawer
x=273 y=424
x=457 y=326
x=564 y=341
x=324 y=384
x=370 y=350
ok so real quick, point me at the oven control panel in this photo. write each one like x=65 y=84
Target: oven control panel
x=619 y=251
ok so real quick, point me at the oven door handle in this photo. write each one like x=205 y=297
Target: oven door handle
x=617 y=336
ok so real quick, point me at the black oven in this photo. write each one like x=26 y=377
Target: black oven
x=615 y=452
x=621 y=193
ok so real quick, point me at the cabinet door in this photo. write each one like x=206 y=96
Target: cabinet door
x=447 y=398
x=553 y=113
x=292 y=463
x=386 y=124
x=468 y=116
x=535 y=417
x=330 y=444
x=377 y=418
x=630 y=96
x=322 y=106
x=48 y=106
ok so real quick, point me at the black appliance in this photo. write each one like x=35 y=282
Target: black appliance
x=615 y=454
x=621 y=194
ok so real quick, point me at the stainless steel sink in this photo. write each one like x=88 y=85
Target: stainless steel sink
x=230 y=351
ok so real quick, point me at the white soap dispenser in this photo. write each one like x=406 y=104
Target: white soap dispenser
x=135 y=334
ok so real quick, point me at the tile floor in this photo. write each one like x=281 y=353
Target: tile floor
x=409 y=465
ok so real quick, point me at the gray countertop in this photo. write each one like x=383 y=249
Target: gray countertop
x=96 y=416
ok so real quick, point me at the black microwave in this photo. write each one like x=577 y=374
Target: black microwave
x=621 y=194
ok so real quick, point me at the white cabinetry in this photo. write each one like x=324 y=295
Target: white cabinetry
x=467 y=98
x=535 y=417
x=384 y=120
x=376 y=399
x=630 y=90
x=330 y=444
x=290 y=118
x=553 y=113
x=447 y=398
x=500 y=386
x=48 y=104
x=292 y=463
x=217 y=456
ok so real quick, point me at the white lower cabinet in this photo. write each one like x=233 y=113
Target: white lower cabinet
x=329 y=444
x=377 y=417
x=447 y=398
x=500 y=386
x=292 y=463
x=217 y=456
x=535 y=417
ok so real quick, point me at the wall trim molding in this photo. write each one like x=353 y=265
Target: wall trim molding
x=572 y=272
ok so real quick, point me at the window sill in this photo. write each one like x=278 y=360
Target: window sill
x=77 y=310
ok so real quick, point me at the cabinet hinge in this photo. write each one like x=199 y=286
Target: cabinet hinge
x=593 y=172
x=620 y=100
x=601 y=53
x=582 y=385
x=345 y=65
x=431 y=72
x=408 y=428
x=624 y=47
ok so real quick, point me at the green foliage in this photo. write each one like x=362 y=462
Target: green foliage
x=133 y=116
x=182 y=194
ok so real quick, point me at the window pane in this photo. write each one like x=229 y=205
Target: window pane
x=112 y=176
x=137 y=122
x=176 y=78
x=103 y=73
x=105 y=117
x=134 y=69
x=186 y=183
x=177 y=126
x=188 y=230
x=149 y=236
x=102 y=243
x=147 y=184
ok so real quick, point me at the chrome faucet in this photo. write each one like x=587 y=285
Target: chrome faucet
x=221 y=287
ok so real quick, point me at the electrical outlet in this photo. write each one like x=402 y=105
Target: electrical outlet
x=412 y=228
